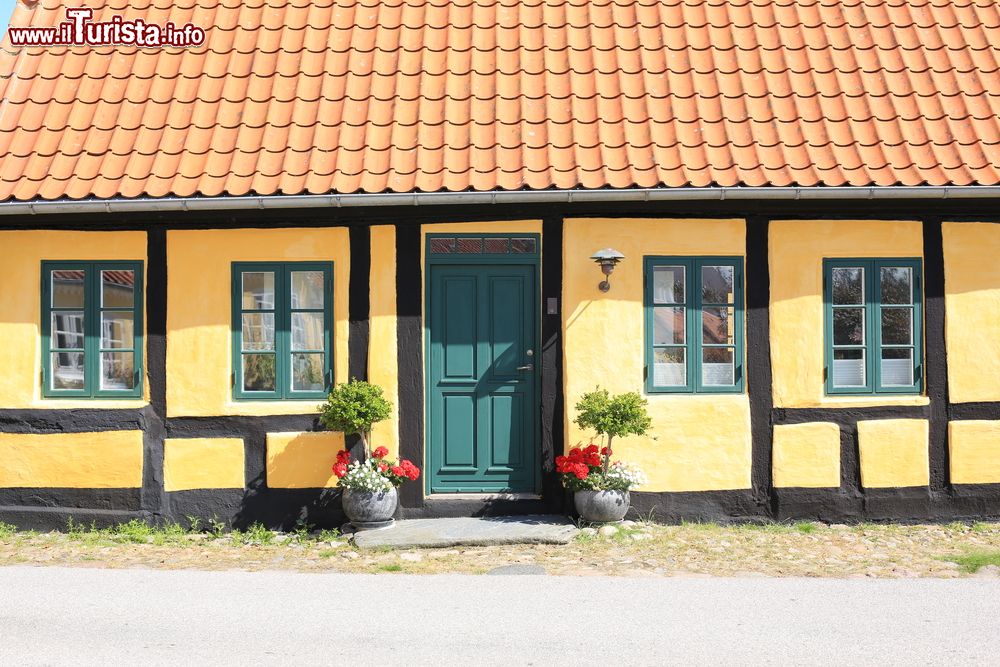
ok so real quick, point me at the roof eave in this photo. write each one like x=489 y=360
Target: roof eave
x=155 y=204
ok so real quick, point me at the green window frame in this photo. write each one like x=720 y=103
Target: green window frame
x=86 y=348
x=694 y=330
x=288 y=354
x=873 y=334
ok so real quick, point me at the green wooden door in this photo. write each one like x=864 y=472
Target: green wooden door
x=482 y=374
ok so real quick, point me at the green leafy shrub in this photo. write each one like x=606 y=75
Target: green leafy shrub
x=613 y=416
x=354 y=407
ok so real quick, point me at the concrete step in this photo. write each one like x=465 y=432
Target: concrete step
x=470 y=531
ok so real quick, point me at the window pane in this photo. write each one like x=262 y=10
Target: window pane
x=848 y=285
x=896 y=284
x=117 y=289
x=258 y=372
x=258 y=331
x=717 y=284
x=717 y=325
x=67 y=330
x=307 y=372
x=67 y=370
x=668 y=284
x=258 y=290
x=469 y=245
x=668 y=326
x=897 y=368
x=442 y=245
x=522 y=245
x=848 y=368
x=307 y=331
x=117 y=330
x=896 y=326
x=848 y=326
x=307 y=290
x=718 y=367
x=67 y=289
x=669 y=367
x=117 y=370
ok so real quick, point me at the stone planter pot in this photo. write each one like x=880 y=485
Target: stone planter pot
x=370 y=509
x=601 y=506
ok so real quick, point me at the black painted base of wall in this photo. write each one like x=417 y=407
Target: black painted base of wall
x=119 y=500
x=903 y=505
x=287 y=509
x=719 y=506
x=277 y=509
x=58 y=518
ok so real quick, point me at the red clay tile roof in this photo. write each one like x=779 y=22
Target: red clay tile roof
x=322 y=96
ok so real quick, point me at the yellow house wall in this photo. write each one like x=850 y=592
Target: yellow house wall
x=698 y=442
x=972 y=310
x=894 y=453
x=199 y=311
x=203 y=463
x=21 y=256
x=797 y=249
x=302 y=460
x=382 y=352
x=974 y=448
x=107 y=460
x=806 y=455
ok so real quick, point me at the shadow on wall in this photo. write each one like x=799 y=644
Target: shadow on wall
x=295 y=487
x=299 y=464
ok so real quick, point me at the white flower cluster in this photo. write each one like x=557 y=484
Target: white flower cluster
x=624 y=476
x=365 y=477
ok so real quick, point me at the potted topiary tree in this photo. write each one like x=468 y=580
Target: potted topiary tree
x=601 y=487
x=369 y=486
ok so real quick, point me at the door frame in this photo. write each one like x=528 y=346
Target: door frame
x=483 y=259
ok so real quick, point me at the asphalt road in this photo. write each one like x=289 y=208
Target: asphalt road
x=58 y=616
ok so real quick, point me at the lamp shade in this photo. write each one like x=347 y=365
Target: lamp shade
x=607 y=254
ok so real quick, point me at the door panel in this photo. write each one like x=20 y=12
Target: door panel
x=481 y=378
x=459 y=416
x=459 y=335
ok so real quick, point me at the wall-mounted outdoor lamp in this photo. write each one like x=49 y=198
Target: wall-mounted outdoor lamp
x=607 y=258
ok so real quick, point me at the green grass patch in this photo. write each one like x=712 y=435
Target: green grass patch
x=256 y=534
x=974 y=560
x=806 y=527
x=328 y=535
x=390 y=568
x=7 y=531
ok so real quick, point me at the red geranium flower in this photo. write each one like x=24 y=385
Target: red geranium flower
x=382 y=467
x=397 y=471
x=343 y=456
x=339 y=469
x=380 y=452
x=606 y=451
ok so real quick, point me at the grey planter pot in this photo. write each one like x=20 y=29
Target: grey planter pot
x=601 y=506
x=370 y=509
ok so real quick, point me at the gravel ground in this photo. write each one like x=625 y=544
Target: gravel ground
x=103 y=617
x=782 y=550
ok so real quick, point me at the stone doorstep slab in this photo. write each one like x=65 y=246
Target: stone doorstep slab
x=470 y=531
